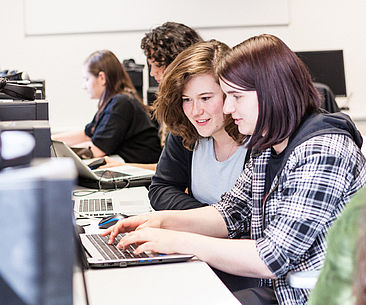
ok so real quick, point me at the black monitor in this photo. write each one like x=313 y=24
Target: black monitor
x=326 y=67
x=36 y=262
x=15 y=110
x=39 y=129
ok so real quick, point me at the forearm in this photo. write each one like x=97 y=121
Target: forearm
x=206 y=220
x=97 y=152
x=238 y=256
x=72 y=138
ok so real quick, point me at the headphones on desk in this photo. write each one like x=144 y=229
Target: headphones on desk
x=16 y=148
x=21 y=92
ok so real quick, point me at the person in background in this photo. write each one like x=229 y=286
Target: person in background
x=161 y=46
x=304 y=168
x=342 y=280
x=121 y=125
x=203 y=153
x=359 y=285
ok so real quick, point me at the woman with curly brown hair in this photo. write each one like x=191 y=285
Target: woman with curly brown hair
x=203 y=153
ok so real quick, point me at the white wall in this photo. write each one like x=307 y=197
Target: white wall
x=314 y=25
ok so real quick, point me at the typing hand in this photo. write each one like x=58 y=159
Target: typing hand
x=155 y=240
x=133 y=223
x=110 y=163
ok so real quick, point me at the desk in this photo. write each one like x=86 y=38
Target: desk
x=188 y=283
x=166 y=284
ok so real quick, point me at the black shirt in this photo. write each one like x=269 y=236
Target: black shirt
x=273 y=165
x=124 y=128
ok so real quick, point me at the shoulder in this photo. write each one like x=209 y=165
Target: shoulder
x=335 y=145
x=174 y=146
x=124 y=101
x=173 y=141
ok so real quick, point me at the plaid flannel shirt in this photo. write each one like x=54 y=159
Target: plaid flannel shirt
x=290 y=225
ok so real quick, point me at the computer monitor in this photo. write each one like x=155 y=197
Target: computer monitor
x=37 y=234
x=15 y=110
x=39 y=129
x=326 y=67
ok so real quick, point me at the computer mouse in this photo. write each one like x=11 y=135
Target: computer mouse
x=79 y=229
x=108 y=221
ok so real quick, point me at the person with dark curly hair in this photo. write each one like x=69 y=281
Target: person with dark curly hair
x=162 y=45
x=203 y=153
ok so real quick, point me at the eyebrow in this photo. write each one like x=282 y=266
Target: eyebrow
x=233 y=91
x=203 y=93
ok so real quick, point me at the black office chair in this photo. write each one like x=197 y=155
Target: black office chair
x=328 y=100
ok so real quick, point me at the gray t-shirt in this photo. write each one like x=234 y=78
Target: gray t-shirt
x=211 y=178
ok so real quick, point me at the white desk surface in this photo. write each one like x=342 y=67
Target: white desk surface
x=188 y=283
x=166 y=284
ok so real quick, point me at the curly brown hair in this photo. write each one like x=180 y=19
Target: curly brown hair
x=165 y=42
x=198 y=59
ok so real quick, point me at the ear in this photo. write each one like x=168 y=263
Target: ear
x=101 y=77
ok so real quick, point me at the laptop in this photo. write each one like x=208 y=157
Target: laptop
x=97 y=253
x=128 y=201
x=115 y=174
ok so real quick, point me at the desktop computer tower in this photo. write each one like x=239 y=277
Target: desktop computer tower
x=135 y=72
x=16 y=110
x=38 y=252
x=39 y=129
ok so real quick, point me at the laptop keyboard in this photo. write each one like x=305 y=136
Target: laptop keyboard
x=95 y=205
x=111 y=251
x=110 y=174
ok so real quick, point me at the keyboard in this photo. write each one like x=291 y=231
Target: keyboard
x=107 y=174
x=111 y=251
x=95 y=205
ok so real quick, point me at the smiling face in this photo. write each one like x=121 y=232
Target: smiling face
x=94 y=85
x=203 y=102
x=242 y=105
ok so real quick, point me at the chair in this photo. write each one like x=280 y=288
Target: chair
x=302 y=279
x=328 y=100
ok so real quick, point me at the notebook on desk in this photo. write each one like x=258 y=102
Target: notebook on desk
x=115 y=174
x=99 y=254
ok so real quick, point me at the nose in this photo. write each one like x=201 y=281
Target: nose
x=229 y=107
x=153 y=71
x=197 y=108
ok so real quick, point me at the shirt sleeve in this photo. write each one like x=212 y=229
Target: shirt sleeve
x=309 y=199
x=335 y=282
x=168 y=188
x=113 y=125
